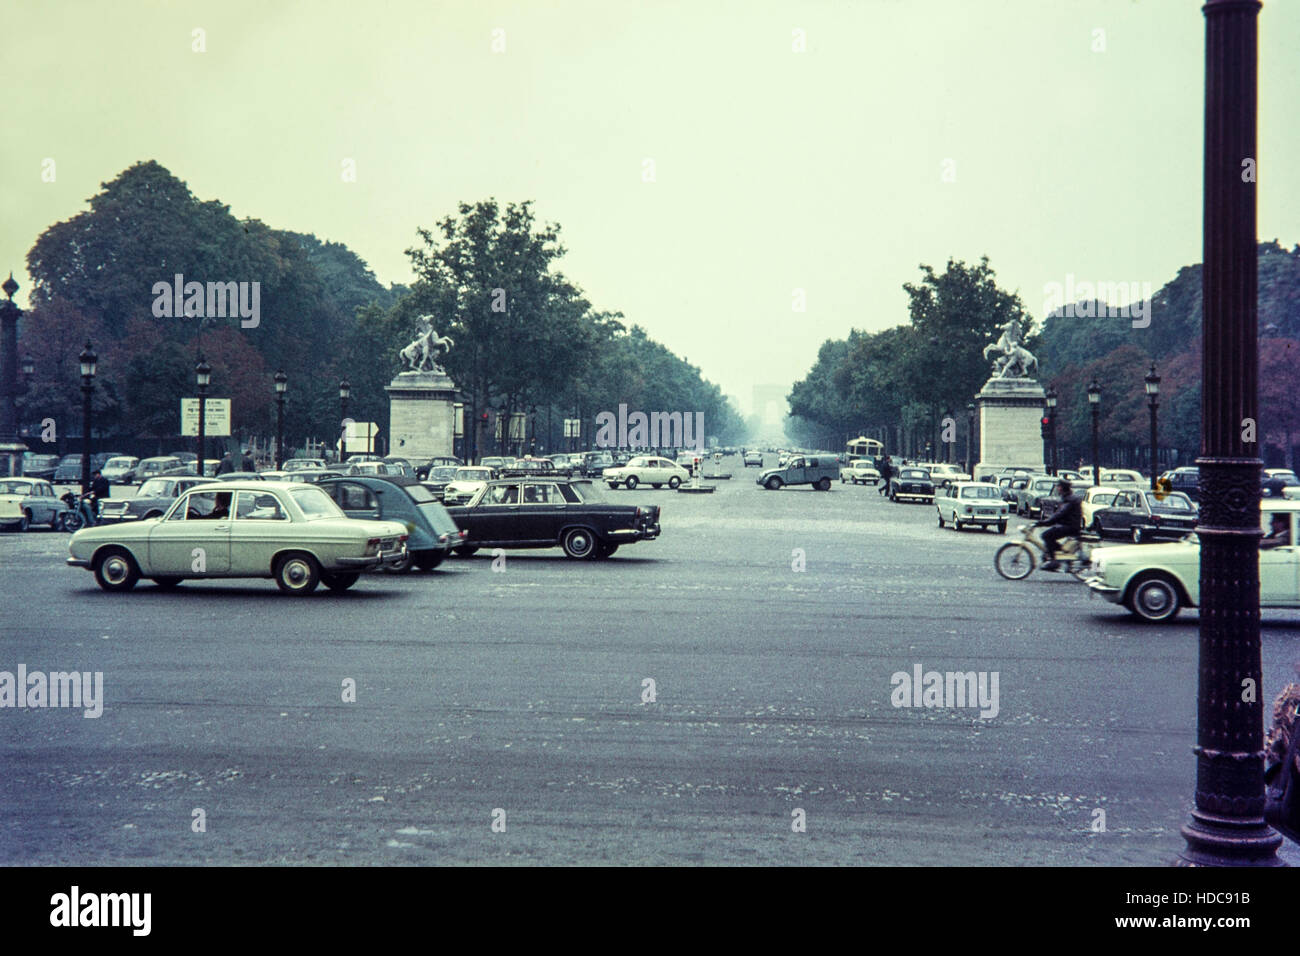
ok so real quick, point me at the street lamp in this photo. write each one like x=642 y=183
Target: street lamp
x=11 y=447
x=88 y=363
x=203 y=378
x=458 y=430
x=1153 y=392
x=970 y=435
x=345 y=389
x=1227 y=826
x=281 y=383
x=1051 y=429
x=1094 y=401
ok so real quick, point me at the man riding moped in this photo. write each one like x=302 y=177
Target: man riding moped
x=1065 y=522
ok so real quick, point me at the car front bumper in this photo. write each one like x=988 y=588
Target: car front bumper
x=1098 y=585
x=78 y=563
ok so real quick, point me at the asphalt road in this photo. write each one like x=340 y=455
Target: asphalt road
x=521 y=690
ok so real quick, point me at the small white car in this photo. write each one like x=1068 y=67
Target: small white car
x=943 y=475
x=753 y=459
x=975 y=503
x=646 y=470
x=28 y=501
x=1123 y=476
x=861 y=472
x=1155 y=581
x=116 y=469
x=1096 y=497
x=467 y=482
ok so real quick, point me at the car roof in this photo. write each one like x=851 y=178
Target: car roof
x=1280 y=504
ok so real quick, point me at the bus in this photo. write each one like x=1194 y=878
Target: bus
x=863 y=447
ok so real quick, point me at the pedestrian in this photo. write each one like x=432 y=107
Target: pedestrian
x=886 y=472
x=226 y=465
x=247 y=463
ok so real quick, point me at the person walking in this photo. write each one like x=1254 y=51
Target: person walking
x=886 y=472
x=247 y=464
x=226 y=465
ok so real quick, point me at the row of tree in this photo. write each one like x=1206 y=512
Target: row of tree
x=901 y=383
x=526 y=337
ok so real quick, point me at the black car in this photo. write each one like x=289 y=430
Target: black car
x=909 y=482
x=437 y=479
x=152 y=498
x=594 y=463
x=437 y=461
x=1141 y=516
x=68 y=470
x=1274 y=485
x=548 y=513
x=1186 y=481
x=530 y=467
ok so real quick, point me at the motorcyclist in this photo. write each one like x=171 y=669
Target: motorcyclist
x=1065 y=522
x=99 y=491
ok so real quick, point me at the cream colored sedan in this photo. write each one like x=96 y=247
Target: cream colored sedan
x=292 y=533
x=1097 y=496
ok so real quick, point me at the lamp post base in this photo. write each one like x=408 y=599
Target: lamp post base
x=1214 y=840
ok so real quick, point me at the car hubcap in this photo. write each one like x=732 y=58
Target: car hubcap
x=1155 y=599
x=115 y=570
x=296 y=573
x=579 y=543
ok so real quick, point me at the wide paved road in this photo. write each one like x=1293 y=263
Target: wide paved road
x=521 y=690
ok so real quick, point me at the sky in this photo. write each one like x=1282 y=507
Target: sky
x=743 y=178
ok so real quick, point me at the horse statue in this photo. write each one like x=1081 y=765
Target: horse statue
x=1013 y=360
x=421 y=353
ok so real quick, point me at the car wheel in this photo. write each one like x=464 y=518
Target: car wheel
x=613 y=486
x=774 y=483
x=674 y=482
x=167 y=583
x=940 y=519
x=605 y=549
x=893 y=497
x=1014 y=561
x=403 y=566
x=579 y=544
x=339 y=582
x=1154 y=598
x=466 y=550
x=631 y=482
x=297 y=573
x=955 y=523
x=25 y=521
x=824 y=485
x=1137 y=535
x=428 y=560
x=115 y=570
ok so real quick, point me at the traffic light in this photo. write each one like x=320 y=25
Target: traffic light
x=1046 y=424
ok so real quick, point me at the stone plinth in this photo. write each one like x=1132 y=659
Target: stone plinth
x=1011 y=411
x=421 y=415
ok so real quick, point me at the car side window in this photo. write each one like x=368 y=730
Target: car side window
x=258 y=506
x=502 y=495
x=356 y=497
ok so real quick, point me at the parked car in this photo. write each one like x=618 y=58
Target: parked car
x=1097 y=496
x=942 y=475
x=40 y=466
x=466 y=483
x=431 y=531
x=304 y=464
x=117 y=469
x=1186 y=480
x=68 y=471
x=423 y=468
x=753 y=459
x=152 y=468
x=1124 y=477
x=548 y=513
x=649 y=470
x=1141 y=516
x=1276 y=481
x=151 y=499
x=438 y=478
x=860 y=471
x=1036 y=493
x=909 y=483
x=971 y=503
x=100 y=458
x=29 y=501
x=1156 y=581
x=292 y=533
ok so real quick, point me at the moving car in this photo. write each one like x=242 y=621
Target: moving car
x=1034 y=494
x=151 y=500
x=40 y=466
x=431 y=531
x=1141 y=516
x=293 y=533
x=466 y=483
x=943 y=475
x=646 y=470
x=910 y=483
x=818 y=471
x=1156 y=581
x=28 y=501
x=1277 y=480
x=971 y=503
x=438 y=478
x=861 y=471
x=116 y=470
x=753 y=459
x=548 y=513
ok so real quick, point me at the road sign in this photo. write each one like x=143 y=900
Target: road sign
x=360 y=436
x=216 y=416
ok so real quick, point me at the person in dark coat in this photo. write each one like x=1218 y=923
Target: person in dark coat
x=247 y=464
x=225 y=466
x=886 y=472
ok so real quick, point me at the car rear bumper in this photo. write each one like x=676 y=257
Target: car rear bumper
x=381 y=560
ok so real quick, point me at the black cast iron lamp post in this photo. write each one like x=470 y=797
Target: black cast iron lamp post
x=89 y=361
x=345 y=389
x=1051 y=429
x=281 y=383
x=970 y=436
x=1153 y=392
x=203 y=378
x=1094 y=401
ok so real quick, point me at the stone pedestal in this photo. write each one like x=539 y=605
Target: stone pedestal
x=1011 y=411
x=421 y=415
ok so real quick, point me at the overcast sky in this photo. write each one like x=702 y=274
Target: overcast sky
x=1074 y=130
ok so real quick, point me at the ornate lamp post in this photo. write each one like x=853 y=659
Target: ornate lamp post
x=1153 y=392
x=11 y=447
x=281 y=384
x=203 y=378
x=1094 y=401
x=1051 y=429
x=970 y=437
x=458 y=430
x=88 y=362
x=345 y=389
x=1227 y=825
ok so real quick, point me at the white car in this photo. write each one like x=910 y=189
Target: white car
x=975 y=503
x=116 y=469
x=646 y=470
x=467 y=482
x=1123 y=476
x=860 y=472
x=1155 y=581
x=1097 y=496
x=946 y=474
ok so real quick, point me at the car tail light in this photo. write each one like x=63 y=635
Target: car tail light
x=1155 y=519
x=372 y=547
x=464 y=534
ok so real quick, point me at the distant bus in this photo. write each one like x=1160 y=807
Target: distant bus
x=862 y=447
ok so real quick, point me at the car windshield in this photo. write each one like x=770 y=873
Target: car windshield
x=315 y=503
x=1044 y=485
x=1104 y=499
x=443 y=473
x=915 y=474
x=15 y=487
x=1171 y=503
x=156 y=488
x=119 y=463
x=976 y=492
x=473 y=474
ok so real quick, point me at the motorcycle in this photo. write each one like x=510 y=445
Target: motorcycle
x=1016 y=560
x=80 y=513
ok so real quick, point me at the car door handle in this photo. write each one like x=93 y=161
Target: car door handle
x=223 y=526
